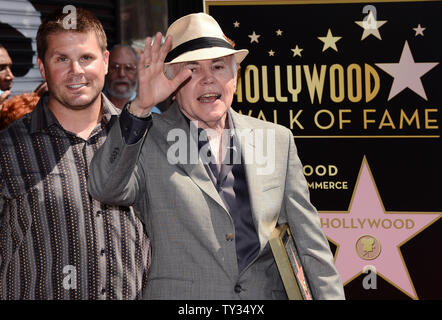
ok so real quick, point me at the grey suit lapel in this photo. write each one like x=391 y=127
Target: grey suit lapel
x=246 y=134
x=173 y=119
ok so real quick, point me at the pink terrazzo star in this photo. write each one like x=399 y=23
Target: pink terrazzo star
x=367 y=216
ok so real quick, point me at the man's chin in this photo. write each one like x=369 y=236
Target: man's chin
x=121 y=95
x=79 y=103
x=79 y=106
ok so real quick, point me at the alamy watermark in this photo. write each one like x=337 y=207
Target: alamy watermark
x=370 y=280
x=70 y=278
x=192 y=146
x=369 y=21
x=70 y=21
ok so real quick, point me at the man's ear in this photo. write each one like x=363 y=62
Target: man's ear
x=42 y=68
x=106 y=61
x=236 y=76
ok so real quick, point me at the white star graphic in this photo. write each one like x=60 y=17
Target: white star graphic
x=279 y=32
x=407 y=73
x=236 y=24
x=254 y=37
x=419 y=30
x=329 y=41
x=371 y=26
x=271 y=53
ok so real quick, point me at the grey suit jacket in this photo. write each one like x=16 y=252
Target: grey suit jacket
x=187 y=222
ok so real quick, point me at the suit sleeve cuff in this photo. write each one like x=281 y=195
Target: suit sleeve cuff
x=133 y=128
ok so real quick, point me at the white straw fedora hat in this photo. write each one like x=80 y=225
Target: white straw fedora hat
x=198 y=36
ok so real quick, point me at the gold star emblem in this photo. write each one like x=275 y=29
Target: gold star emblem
x=329 y=41
x=279 y=32
x=271 y=53
x=371 y=26
x=254 y=37
x=297 y=51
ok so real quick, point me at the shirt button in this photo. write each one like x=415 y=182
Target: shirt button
x=99 y=212
x=230 y=237
x=102 y=252
x=103 y=291
x=238 y=288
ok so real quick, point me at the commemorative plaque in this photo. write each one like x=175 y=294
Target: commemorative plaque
x=289 y=264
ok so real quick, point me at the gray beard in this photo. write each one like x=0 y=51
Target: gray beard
x=127 y=95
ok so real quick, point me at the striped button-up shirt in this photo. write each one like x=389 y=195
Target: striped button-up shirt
x=56 y=242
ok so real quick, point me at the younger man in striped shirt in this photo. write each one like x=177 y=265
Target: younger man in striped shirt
x=56 y=242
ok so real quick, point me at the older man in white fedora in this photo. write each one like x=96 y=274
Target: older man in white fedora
x=210 y=184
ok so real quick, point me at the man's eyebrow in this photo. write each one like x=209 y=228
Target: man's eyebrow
x=60 y=53
x=190 y=63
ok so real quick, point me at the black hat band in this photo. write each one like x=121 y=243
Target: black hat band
x=195 y=44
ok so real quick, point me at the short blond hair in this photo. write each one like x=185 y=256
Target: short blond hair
x=86 y=22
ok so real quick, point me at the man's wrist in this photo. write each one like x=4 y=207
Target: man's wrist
x=133 y=127
x=134 y=110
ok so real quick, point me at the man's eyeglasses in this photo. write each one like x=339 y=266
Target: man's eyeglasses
x=128 y=68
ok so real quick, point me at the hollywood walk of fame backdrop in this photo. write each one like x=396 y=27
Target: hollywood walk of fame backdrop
x=359 y=86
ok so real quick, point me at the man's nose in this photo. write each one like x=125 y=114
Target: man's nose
x=76 y=67
x=207 y=75
x=122 y=71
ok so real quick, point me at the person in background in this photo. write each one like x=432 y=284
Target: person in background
x=19 y=105
x=56 y=241
x=6 y=75
x=121 y=80
x=210 y=184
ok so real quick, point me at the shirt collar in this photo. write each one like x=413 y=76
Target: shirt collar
x=43 y=118
x=108 y=109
